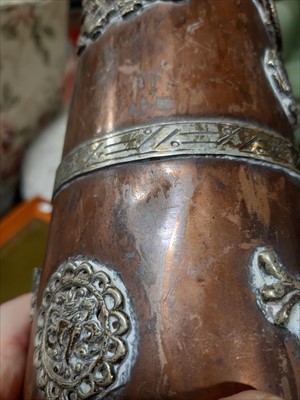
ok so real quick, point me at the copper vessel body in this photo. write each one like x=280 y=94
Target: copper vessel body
x=182 y=231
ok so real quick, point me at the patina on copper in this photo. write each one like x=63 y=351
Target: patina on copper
x=183 y=231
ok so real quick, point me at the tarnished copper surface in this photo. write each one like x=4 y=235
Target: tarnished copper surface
x=199 y=58
x=99 y=14
x=182 y=234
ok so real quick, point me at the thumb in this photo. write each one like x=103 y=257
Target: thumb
x=14 y=335
x=252 y=395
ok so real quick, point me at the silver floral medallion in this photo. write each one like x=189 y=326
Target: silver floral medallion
x=86 y=338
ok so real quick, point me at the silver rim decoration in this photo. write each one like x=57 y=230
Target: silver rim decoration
x=182 y=138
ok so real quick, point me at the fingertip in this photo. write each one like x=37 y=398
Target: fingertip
x=252 y=395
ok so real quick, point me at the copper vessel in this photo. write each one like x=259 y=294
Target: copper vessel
x=172 y=266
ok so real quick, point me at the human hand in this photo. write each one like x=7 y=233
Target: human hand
x=14 y=338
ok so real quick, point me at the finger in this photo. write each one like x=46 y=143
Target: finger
x=252 y=395
x=14 y=338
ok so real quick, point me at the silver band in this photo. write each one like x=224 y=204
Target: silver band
x=183 y=138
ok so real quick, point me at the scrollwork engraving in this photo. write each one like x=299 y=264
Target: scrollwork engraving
x=82 y=332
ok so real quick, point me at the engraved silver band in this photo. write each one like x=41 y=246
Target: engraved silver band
x=182 y=138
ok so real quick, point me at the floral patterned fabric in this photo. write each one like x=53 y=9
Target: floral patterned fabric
x=33 y=49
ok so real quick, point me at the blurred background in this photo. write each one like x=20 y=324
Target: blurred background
x=37 y=66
